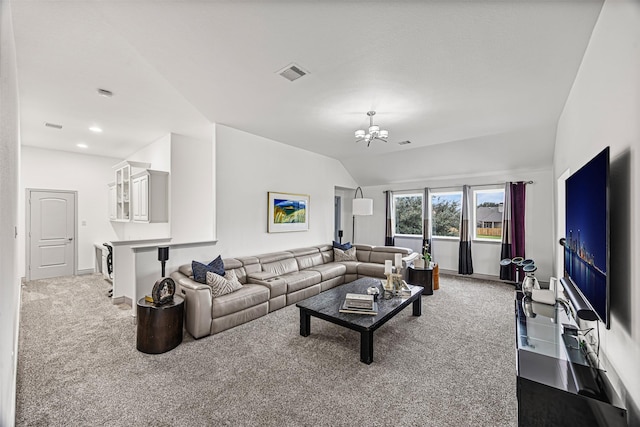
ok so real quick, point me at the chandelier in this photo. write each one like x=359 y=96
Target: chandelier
x=374 y=132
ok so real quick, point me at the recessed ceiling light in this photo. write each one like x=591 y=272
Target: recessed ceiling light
x=95 y=129
x=105 y=93
x=81 y=145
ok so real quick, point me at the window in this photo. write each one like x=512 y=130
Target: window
x=445 y=214
x=408 y=214
x=489 y=205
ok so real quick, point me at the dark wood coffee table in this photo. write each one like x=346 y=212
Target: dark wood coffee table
x=327 y=304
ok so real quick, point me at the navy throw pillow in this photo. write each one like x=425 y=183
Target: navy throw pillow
x=342 y=246
x=200 y=270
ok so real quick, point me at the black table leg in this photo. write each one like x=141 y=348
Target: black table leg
x=305 y=323
x=366 y=347
x=417 y=307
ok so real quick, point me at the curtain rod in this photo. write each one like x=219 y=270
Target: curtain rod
x=452 y=186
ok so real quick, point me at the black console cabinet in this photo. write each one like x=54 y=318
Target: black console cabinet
x=556 y=386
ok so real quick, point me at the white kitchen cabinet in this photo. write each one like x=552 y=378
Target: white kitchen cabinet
x=150 y=196
x=122 y=205
x=112 y=202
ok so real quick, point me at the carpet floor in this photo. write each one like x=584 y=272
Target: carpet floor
x=452 y=366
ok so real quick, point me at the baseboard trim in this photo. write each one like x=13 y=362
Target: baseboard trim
x=472 y=276
x=121 y=300
x=85 y=271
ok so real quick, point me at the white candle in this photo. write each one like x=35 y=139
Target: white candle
x=387 y=267
x=398 y=261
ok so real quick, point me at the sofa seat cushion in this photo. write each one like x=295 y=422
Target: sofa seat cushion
x=331 y=270
x=371 y=269
x=245 y=297
x=301 y=279
x=352 y=266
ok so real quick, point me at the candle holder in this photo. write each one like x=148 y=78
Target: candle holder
x=394 y=284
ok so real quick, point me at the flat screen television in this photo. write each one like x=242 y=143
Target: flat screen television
x=586 y=248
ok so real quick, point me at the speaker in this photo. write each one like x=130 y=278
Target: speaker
x=163 y=253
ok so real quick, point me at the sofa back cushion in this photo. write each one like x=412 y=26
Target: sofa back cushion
x=235 y=265
x=250 y=265
x=283 y=266
x=363 y=252
x=304 y=251
x=327 y=253
x=381 y=257
x=307 y=261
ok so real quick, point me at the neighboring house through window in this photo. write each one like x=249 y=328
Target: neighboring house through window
x=489 y=205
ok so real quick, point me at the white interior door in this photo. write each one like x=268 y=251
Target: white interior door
x=51 y=234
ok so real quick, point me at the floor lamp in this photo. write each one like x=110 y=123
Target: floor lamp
x=361 y=206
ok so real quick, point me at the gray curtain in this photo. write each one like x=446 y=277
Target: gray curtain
x=426 y=222
x=506 y=271
x=389 y=239
x=465 y=263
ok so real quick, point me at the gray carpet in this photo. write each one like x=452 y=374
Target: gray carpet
x=453 y=366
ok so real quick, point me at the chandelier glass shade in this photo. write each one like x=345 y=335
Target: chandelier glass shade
x=374 y=132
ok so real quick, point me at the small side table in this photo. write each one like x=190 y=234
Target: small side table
x=421 y=277
x=159 y=327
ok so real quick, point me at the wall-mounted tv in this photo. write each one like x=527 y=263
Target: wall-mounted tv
x=586 y=249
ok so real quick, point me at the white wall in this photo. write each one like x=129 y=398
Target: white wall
x=486 y=256
x=192 y=189
x=89 y=176
x=249 y=166
x=9 y=183
x=603 y=110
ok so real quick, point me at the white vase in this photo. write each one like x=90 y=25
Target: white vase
x=418 y=263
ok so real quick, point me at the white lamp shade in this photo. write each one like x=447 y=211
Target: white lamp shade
x=363 y=206
x=374 y=129
x=384 y=134
x=359 y=134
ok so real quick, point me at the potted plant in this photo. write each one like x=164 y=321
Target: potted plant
x=426 y=256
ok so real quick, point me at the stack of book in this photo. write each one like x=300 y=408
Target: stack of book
x=360 y=304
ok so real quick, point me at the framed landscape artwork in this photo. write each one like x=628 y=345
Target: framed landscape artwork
x=288 y=212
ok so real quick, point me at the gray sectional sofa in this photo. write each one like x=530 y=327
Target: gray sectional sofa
x=275 y=280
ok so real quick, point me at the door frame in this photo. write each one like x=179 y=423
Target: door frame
x=560 y=222
x=27 y=234
x=337 y=216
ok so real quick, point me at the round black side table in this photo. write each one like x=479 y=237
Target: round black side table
x=421 y=277
x=159 y=327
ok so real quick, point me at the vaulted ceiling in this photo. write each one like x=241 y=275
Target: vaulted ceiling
x=477 y=84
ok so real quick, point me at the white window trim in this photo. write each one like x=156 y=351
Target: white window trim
x=393 y=216
x=475 y=205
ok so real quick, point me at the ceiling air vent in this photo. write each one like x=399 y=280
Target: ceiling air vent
x=292 y=72
x=52 y=125
x=404 y=142
x=105 y=93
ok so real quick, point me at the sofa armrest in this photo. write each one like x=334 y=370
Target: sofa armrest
x=409 y=259
x=277 y=286
x=197 y=298
x=260 y=276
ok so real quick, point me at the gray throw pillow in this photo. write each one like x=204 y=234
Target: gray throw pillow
x=348 y=255
x=223 y=285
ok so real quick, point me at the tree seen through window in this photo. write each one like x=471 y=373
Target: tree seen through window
x=408 y=214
